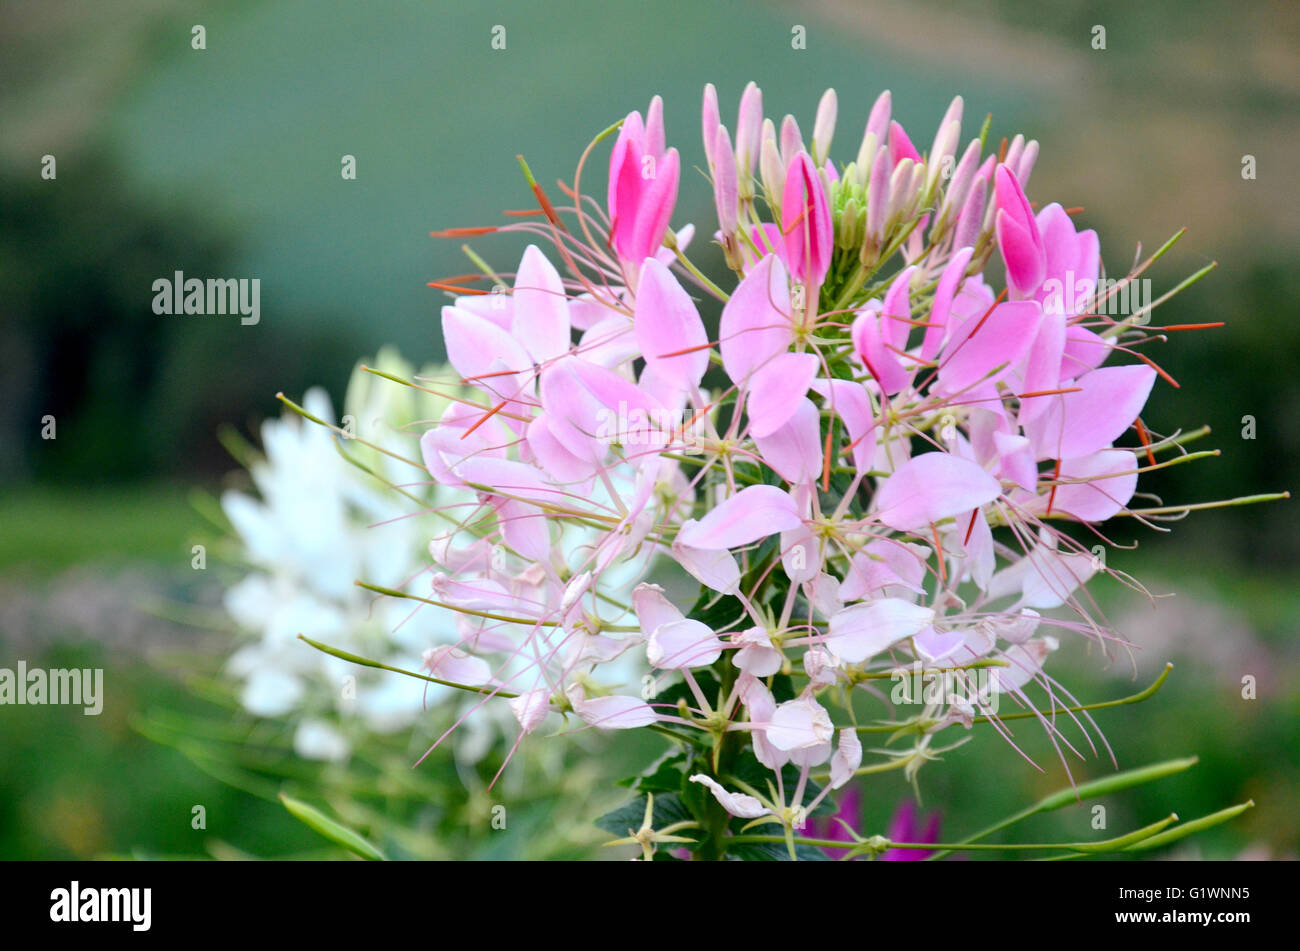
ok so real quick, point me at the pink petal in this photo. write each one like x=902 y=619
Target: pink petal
x=932 y=487
x=653 y=608
x=794 y=451
x=717 y=570
x=541 y=321
x=752 y=513
x=980 y=344
x=849 y=401
x=1018 y=235
x=806 y=221
x=777 y=389
x=1080 y=423
x=951 y=278
x=865 y=629
x=476 y=346
x=869 y=343
x=900 y=146
x=1112 y=479
x=737 y=804
x=755 y=324
x=666 y=321
x=655 y=208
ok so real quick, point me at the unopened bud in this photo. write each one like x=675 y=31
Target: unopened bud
x=824 y=127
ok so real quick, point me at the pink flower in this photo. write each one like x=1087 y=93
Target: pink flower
x=905 y=826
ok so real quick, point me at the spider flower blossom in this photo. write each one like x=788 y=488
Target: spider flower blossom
x=891 y=449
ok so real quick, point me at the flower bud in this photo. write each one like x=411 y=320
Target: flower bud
x=771 y=167
x=749 y=130
x=709 y=122
x=1019 y=240
x=791 y=140
x=970 y=220
x=1027 y=159
x=866 y=155
x=806 y=222
x=878 y=121
x=878 y=195
x=725 y=188
x=824 y=127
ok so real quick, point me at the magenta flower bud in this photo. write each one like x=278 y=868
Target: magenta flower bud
x=726 y=188
x=624 y=162
x=1018 y=237
x=710 y=120
x=824 y=126
x=749 y=129
x=656 y=208
x=900 y=146
x=642 y=186
x=806 y=222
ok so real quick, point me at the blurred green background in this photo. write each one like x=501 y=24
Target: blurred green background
x=226 y=162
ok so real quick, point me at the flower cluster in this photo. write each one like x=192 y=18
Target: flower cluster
x=322 y=518
x=892 y=452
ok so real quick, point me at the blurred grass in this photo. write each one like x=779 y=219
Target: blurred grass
x=47 y=528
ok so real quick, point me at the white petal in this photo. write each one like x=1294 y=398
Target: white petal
x=847 y=758
x=681 y=644
x=738 y=804
x=800 y=724
x=865 y=629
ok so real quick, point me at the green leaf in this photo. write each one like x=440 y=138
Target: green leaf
x=665 y=775
x=716 y=614
x=782 y=688
x=336 y=833
x=668 y=809
x=776 y=852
